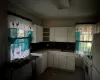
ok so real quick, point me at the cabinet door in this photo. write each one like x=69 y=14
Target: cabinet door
x=50 y=59
x=56 y=57
x=43 y=63
x=62 y=61
x=40 y=33
x=39 y=65
x=71 y=34
x=70 y=63
x=95 y=74
x=52 y=34
x=45 y=60
x=60 y=34
x=35 y=34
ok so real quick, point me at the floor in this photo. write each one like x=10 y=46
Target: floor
x=57 y=74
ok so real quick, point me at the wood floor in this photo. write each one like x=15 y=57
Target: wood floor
x=56 y=74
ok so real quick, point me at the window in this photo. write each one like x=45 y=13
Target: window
x=84 y=38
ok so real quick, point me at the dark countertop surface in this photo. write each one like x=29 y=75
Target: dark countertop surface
x=18 y=63
x=43 y=50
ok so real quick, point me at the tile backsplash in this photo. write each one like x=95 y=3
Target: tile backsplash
x=64 y=46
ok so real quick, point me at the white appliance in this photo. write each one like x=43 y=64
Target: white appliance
x=96 y=57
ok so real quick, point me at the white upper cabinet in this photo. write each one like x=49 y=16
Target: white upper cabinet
x=62 y=34
x=37 y=34
x=71 y=34
x=40 y=34
x=52 y=34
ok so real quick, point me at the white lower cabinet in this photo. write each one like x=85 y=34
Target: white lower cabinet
x=45 y=61
x=70 y=63
x=62 y=60
x=41 y=63
x=50 y=58
x=56 y=59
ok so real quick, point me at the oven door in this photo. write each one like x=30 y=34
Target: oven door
x=87 y=69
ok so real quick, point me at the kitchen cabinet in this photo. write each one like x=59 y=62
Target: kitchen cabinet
x=37 y=34
x=52 y=34
x=70 y=60
x=53 y=59
x=71 y=34
x=45 y=60
x=62 y=34
x=40 y=33
x=67 y=61
x=56 y=59
x=70 y=63
x=41 y=63
x=50 y=58
x=62 y=60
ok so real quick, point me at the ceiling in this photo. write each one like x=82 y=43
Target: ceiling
x=47 y=9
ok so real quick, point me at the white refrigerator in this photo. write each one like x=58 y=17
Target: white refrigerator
x=96 y=57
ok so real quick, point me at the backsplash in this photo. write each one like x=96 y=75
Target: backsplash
x=64 y=46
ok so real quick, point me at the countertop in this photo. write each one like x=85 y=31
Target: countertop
x=45 y=50
x=16 y=64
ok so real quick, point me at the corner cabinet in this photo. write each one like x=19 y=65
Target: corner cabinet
x=37 y=34
x=41 y=63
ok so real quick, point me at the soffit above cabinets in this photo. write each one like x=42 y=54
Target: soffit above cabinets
x=47 y=9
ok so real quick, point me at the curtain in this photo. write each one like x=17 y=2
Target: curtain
x=84 y=38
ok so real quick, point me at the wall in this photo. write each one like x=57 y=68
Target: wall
x=57 y=23
x=3 y=35
x=70 y=22
x=15 y=9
